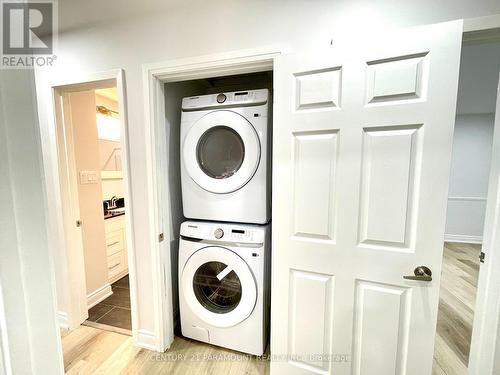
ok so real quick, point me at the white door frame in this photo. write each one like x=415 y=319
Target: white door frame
x=72 y=252
x=154 y=77
x=485 y=338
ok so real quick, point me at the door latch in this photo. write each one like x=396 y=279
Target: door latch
x=161 y=237
x=78 y=223
x=481 y=257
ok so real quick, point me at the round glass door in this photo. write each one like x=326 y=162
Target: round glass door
x=220 y=152
x=217 y=295
x=218 y=286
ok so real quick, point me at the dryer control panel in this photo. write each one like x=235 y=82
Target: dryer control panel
x=225 y=99
x=238 y=233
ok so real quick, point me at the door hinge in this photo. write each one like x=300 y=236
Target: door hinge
x=161 y=237
x=481 y=257
x=78 y=223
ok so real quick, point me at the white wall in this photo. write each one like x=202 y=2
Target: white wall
x=472 y=142
x=126 y=37
x=28 y=310
x=477 y=86
x=470 y=168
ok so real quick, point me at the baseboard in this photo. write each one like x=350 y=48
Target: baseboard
x=119 y=276
x=146 y=339
x=62 y=317
x=463 y=238
x=99 y=295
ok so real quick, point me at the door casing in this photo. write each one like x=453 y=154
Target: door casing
x=154 y=77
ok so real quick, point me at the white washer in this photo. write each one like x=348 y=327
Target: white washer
x=224 y=272
x=225 y=171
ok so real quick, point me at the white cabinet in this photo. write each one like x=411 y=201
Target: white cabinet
x=116 y=248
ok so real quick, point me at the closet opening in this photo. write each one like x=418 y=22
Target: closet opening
x=218 y=138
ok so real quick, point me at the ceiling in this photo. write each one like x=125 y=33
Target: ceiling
x=75 y=14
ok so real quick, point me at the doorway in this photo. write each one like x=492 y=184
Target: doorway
x=95 y=132
x=94 y=186
x=469 y=180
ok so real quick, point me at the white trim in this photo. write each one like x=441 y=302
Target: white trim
x=5 y=356
x=99 y=295
x=62 y=318
x=120 y=275
x=154 y=77
x=468 y=199
x=61 y=187
x=485 y=334
x=463 y=238
x=146 y=339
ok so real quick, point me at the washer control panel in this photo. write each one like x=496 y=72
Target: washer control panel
x=241 y=235
x=236 y=98
x=237 y=233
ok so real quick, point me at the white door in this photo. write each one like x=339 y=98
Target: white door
x=362 y=147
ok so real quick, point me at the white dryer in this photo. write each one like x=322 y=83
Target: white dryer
x=224 y=272
x=225 y=171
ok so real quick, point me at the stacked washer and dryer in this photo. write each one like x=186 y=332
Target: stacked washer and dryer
x=224 y=251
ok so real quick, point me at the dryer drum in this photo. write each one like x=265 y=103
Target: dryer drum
x=220 y=152
x=218 y=296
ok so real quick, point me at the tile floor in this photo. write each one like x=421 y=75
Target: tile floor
x=115 y=310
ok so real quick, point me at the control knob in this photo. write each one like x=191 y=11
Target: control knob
x=218 y=233
x=221 y=98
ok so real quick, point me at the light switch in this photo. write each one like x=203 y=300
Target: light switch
x=88 y=177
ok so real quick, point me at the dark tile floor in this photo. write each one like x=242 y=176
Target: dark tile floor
x=114 y=310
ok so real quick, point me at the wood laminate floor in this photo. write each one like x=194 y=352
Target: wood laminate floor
x=88 y=350
x=456 y=308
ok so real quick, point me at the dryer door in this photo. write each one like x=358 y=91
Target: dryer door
x=221 y=151
x=219 y=287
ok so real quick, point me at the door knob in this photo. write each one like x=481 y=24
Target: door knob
x=421 y=273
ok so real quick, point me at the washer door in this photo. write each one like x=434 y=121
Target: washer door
x=219 y=286
x=221 y=152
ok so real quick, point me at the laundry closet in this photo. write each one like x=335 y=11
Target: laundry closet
x=218 y=139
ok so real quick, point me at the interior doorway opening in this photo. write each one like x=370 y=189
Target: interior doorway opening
x=95 y=270
x=93 y=141
x=469 y=180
